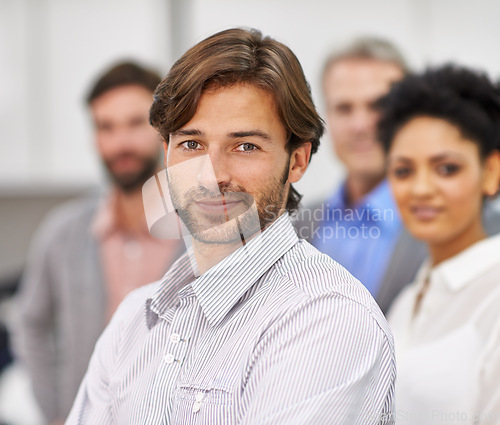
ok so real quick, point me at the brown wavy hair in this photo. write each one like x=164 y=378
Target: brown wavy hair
x=240 y=56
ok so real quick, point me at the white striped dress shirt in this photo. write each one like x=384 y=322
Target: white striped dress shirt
x=276 y=333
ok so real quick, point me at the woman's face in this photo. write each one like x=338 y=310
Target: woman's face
x=438 y=180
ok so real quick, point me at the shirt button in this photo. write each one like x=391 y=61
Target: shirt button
x=200 y=397
x=169 y=358
x=196 y=407
x=175 y=338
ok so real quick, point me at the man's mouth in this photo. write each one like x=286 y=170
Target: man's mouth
x=218 y=205
x=124 y=163
x=365 y=143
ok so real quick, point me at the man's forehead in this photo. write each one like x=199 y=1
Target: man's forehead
x=121 y=93
x=233 y=111
x=238 y=90
x=357 y=76
x=126 y=100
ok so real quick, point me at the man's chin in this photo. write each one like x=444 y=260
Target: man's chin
x=224 y=234
x=128 y=184
x=222 y=231
x=131 y=179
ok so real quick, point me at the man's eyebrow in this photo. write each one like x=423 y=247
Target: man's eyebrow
x=233 y=135
x=250 y=133
x=187 y=132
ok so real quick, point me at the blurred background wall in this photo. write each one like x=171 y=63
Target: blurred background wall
x=50 y=50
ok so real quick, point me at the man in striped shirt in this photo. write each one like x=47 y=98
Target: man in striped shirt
x=252 y=325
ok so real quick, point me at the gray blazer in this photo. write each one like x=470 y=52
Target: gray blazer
x=61 y=306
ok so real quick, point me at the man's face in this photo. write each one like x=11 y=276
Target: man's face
x=229 y=161
x=351 y=87
x=128 y=145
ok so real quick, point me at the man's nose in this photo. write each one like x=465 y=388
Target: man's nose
x=363 y=120
x=213 y=171
x=121 y=139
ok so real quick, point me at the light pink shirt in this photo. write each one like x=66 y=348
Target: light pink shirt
x=129 y=260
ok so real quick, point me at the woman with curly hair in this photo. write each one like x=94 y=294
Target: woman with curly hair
x=441 y=131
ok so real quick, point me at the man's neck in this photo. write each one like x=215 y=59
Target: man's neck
x=357 y=187
x=209 y=254
x=130 y=211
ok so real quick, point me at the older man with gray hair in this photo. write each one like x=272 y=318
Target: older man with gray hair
x=358 y=225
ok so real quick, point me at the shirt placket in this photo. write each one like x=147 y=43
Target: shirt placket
x=179 y=341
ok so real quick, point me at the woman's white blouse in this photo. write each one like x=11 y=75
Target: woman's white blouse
x=448 y=354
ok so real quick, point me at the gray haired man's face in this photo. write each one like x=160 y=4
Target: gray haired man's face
x=351 y=88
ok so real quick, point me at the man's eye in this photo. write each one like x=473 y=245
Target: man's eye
x=448 y=169
x=246 y=147
x=104 y=127
x=137 y=122
x=191 y=145
x=342 y=109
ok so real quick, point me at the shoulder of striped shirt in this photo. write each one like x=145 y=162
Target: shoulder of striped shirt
x=316 y=273
x=313 y=273
x=319 y=276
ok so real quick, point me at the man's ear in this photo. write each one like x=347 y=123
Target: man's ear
x=491 y=176
x=299 y=160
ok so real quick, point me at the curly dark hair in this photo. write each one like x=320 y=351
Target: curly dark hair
x=463 y=97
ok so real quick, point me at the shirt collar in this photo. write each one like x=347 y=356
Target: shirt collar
x=106 y=219
x=220 y=288
x=379 y=199
x=337 y=200
x=465 y=267
x=167 y=294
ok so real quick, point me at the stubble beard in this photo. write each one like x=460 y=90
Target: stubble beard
x=235 y=227
x=132 y=181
